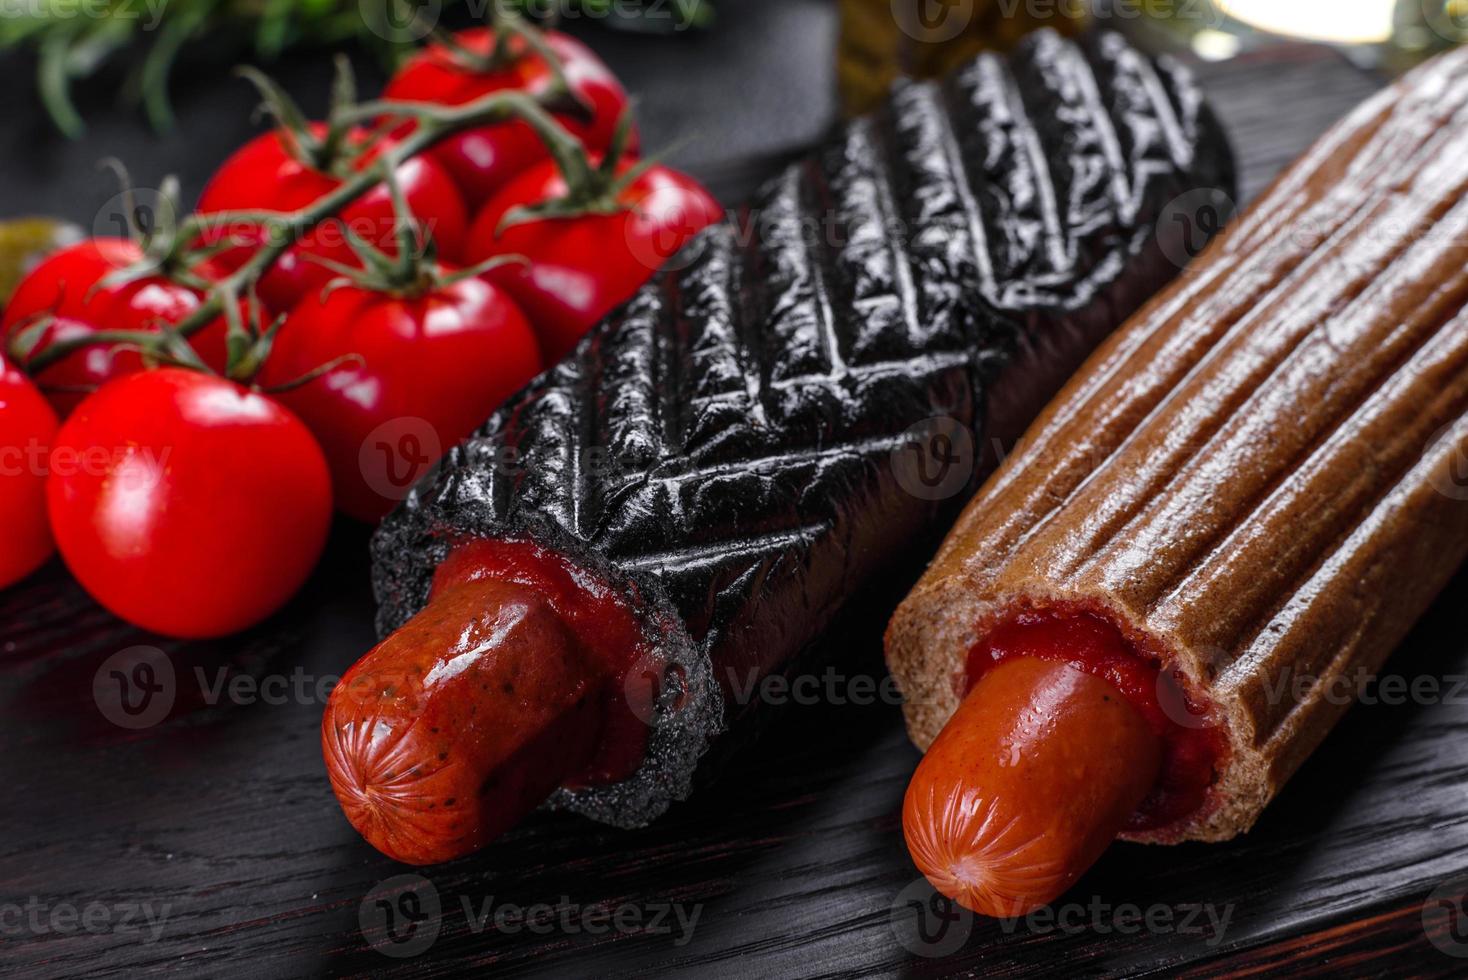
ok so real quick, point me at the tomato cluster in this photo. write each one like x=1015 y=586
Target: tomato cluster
x=265 y=175
x=66 y=297
x=190 y=490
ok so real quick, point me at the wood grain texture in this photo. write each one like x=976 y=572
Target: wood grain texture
x=793 y=862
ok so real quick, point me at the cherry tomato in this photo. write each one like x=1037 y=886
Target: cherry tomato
x=263 y=175
x=27 y=430
x=187 y=504
x=582 y=268
x=65 y=287
x=483 y=160
x=433 y=367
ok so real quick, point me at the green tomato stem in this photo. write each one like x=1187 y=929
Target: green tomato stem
x=435 y=123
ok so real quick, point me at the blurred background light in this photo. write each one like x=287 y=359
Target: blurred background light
x=1336 y=21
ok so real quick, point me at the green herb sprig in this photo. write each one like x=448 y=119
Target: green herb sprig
x=73 y=39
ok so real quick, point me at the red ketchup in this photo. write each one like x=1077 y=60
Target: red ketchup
x=1191 y=745
x=1068 y=734
x=508 y=684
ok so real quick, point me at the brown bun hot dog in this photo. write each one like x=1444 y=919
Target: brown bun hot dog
x=1255 y=482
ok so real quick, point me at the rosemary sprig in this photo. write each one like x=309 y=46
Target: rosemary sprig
x=73 y=42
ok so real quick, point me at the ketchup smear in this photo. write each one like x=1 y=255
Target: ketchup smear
x=1192 y=744
x=600 y=617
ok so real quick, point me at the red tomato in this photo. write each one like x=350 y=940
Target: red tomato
x=582 y=268
x=434 y=366
x=186 y=504
x=483 y=160
x=27 y=429
x=263 y=175
x=63 y=286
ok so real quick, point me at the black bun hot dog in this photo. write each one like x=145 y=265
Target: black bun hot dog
x=733 y=452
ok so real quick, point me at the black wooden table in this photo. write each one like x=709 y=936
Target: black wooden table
x=209 y=842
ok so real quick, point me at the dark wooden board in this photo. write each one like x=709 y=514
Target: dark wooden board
x=219 y=818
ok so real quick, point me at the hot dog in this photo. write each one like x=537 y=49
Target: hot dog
x=1027 y=785
x=468 y=716
x=720 y=462
x=1255 y=485
x=1067 y=737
